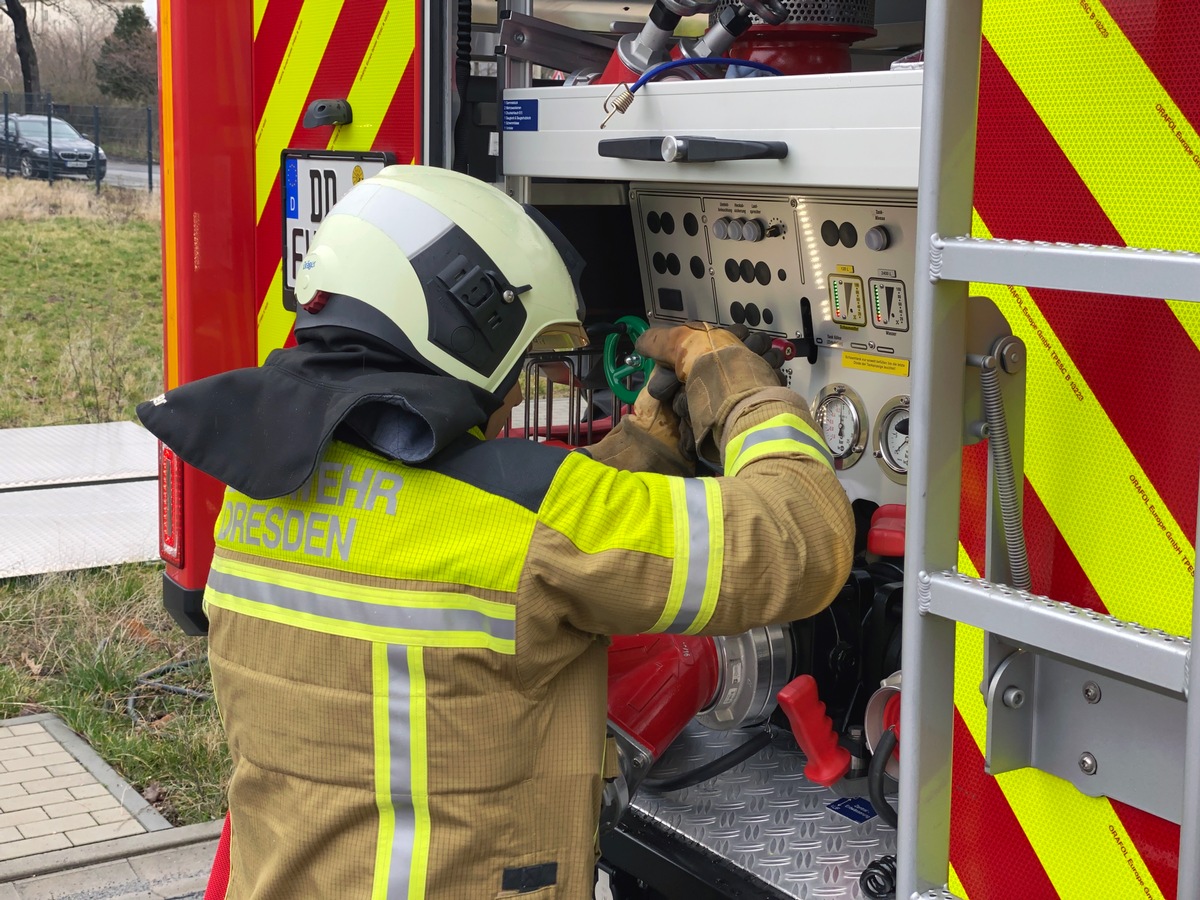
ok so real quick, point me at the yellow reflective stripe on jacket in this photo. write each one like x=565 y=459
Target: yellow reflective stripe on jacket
x=677 y=519
x=699 y=554
x=786 y=433
x=419 y=618
x=401 y=764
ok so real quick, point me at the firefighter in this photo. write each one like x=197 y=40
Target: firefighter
x=407 y=621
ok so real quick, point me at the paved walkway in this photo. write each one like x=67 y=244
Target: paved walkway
x=160 y=865
x=72 y=829
x=56 y=793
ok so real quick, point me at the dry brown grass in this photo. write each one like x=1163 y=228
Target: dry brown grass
x=31 y=201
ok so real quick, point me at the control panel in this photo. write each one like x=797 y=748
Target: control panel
x=831 y=270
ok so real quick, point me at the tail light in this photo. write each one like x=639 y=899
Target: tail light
x=170 y=506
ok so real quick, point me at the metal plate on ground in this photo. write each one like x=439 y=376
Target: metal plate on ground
x=765 y=818
x=76 y=454
x=56 y=529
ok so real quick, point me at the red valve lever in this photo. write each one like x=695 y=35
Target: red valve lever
x=827 y=760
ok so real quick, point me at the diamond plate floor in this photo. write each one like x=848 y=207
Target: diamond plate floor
x=766 y=819
x=77 y=496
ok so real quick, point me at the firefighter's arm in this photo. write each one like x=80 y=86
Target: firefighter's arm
x=769 y=542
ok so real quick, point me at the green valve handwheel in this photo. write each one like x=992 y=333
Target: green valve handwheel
x=619 y=364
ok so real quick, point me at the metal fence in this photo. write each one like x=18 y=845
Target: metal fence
x=118 y=134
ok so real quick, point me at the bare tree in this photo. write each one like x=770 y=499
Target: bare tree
x=26 y=52
x=23 y=13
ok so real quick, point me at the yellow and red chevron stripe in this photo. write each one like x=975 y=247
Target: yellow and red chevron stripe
x=366 y=51
x=1087 y=133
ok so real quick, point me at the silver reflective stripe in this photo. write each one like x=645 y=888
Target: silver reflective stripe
x=785 y=433
x=360 y=612
x=698 y=551
x=400 y=772
x=411 y=223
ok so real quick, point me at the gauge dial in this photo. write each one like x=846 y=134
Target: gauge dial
x=891 y=439
x=840 y=413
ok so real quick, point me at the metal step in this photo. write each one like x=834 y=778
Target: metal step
x=1061 y=629
x=1123 y=271
x=938 y=894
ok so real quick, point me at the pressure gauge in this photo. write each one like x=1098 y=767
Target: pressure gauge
x=891 y=439
x=842 y=418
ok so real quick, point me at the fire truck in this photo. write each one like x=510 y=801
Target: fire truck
x=968 y=225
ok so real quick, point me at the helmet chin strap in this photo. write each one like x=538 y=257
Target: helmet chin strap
x=498 y=419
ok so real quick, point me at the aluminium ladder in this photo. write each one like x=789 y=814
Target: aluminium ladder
x=1153 y=664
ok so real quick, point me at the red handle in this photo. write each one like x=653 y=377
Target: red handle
x=827 y=760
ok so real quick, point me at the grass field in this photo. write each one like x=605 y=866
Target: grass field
x=81 y=341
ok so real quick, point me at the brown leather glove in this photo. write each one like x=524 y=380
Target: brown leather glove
x=649 y=439
x=679 y=347
x=718 y=371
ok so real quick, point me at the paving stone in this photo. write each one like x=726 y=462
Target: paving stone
x=88 y=790
x=105 y=816
x=29 y=761
x=105 y=832
x=12 y=790
x=26 y=775
x=10 y=753
x=90 y=805
x=12 y=804
x=50 y=826
x=72 y=768
x=27 y=740
x=28 y=728
x=62 y=782
x=10 y=834
x=8 y=892
x=45 y=749
x=34 y=845
x=21 y=816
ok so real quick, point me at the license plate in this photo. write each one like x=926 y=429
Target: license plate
x=76 y=164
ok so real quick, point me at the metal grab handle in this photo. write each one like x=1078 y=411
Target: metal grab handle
x=687 y=148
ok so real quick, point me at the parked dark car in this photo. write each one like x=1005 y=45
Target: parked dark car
x=32 y=144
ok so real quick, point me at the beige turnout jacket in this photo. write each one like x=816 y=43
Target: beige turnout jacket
x=411 y=661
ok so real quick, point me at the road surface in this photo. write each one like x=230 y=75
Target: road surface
x=129 y=175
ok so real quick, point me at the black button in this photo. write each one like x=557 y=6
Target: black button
x=781 y=274
x=673 y=265
x=848 y=232
x=697 y=266
x=762 y=274
x=747 y=271
x=691 y=225
x=670 y=299
x=768 y=317
x=829 y=232
x=653 y=222
x=753 y=318
x=737 y=312
x=731 y=270
x=668 y=223
x=660 y=263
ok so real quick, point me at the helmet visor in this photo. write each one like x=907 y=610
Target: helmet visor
x=559 y=337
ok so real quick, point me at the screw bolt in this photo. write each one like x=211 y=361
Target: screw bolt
x=1014 y=697
x=1091 y=692
x=1088 y=764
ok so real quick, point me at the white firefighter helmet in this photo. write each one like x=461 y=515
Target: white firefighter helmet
x=448 y=270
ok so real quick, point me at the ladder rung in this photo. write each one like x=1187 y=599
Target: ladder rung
x=1125 y=649
x=942 y=893
x=1123 y=271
